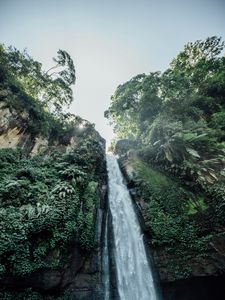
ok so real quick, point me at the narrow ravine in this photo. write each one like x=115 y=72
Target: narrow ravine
x=135 y=279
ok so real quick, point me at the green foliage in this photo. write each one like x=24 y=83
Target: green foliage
x=194 y=206
x=52 y=90
x=29 y=294
x=177 y=120
x=123 y=146
x=148 y=174
x=181 y=222
x=48 y=203
x=35 y=97
x=218 y=120
x=178 y=117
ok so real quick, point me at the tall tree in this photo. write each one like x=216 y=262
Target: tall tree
x=179 y=115
x=53 y=89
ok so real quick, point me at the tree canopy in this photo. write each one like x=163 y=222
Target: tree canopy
x=178 y=115
x=52 y=88
x=171 y=133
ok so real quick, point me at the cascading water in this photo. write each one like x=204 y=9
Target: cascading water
x=135 y=280
x=106 y=263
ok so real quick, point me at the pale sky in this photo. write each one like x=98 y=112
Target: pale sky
x=110 y=41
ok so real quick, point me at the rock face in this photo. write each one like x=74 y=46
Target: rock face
x=13 y=129
x=205 y=279
x=195 y=288
x=82 y=275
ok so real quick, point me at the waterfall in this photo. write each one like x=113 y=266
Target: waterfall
x=135 y=279
x=106 y=263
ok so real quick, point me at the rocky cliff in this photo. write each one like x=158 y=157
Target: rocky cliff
x=189 y=266
x=53 y=229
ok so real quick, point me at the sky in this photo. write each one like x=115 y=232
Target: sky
x=110 y=41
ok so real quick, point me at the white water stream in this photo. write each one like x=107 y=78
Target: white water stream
x=135 y=280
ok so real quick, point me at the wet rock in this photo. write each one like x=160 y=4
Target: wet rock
x=196 y=288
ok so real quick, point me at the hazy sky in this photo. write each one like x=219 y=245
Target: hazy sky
x=110 y=41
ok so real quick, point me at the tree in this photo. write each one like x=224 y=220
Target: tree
x=52 y=89
x=135 y=103
x=198 y=52
x=68 y=73
x=177 y=115
x=124 y=107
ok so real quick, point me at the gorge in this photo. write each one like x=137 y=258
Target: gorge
x=77 y=224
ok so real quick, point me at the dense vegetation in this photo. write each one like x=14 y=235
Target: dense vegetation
x=182 y=223
x=48 y=202
x=52 y=88
x=174 y=122
x=26 y=87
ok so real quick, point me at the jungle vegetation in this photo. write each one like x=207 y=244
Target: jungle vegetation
x=174 y=123
x=48 y=202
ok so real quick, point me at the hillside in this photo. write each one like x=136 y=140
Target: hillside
x=171 y=142
x=52 y=185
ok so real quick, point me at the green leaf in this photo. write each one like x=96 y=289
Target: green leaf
x=168 y=154
x=193 y=152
